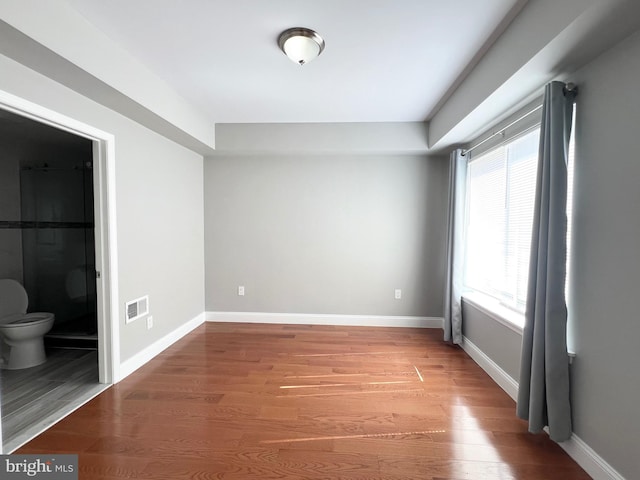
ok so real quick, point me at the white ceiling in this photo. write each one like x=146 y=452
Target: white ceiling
x=384 y=61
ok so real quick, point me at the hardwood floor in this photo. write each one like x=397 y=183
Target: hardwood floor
x=241 y=401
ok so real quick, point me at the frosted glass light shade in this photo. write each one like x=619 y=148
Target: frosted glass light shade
x=301 y=45
x=301 y=49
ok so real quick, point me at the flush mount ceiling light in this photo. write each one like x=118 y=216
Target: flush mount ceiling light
x=300 y=44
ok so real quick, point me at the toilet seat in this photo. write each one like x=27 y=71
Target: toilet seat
x=18 y=320
x=13 y=307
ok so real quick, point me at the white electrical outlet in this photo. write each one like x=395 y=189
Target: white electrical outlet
x=398 y=294
x=149 y=322
x=241 y=290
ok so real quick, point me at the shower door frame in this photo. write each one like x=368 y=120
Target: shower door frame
x=105 y=225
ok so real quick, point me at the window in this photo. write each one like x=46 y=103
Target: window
x=571 y=157
x=500 y=198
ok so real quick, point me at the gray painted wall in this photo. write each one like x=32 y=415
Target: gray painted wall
x=159 y=197
x=604 y=325
x=498 y=342
x=376 y=138
x=606 y=264
x=325 y=234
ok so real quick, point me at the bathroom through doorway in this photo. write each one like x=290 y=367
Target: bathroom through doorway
x=55 y=241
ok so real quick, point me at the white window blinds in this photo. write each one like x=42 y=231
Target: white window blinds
x=500 y=197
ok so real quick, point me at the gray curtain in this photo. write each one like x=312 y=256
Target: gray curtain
x=543 y=395
x=455 y=248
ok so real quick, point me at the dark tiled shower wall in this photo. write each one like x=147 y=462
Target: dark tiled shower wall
x=23 y=225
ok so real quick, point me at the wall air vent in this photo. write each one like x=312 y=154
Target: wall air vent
x=137 y=308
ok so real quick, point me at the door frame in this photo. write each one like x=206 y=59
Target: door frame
x=105 y=225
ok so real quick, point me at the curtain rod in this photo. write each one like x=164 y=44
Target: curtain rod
x=569 y=87
x=501 y=131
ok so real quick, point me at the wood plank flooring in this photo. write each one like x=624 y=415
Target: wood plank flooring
x=242 y=401
x=34 y=398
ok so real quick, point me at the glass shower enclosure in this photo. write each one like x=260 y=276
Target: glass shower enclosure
x=59 y=249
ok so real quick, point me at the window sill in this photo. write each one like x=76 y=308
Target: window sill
x=492 y=307
x=501 y=314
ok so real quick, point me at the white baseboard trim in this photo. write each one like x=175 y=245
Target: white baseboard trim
x=502 y=378
x=589 y=460
x=139 y=359
x=577 y=449
x=325 y=319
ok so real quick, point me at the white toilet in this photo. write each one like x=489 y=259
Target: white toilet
x=21 y=333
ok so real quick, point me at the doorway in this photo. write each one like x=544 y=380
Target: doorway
x=57 y=239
